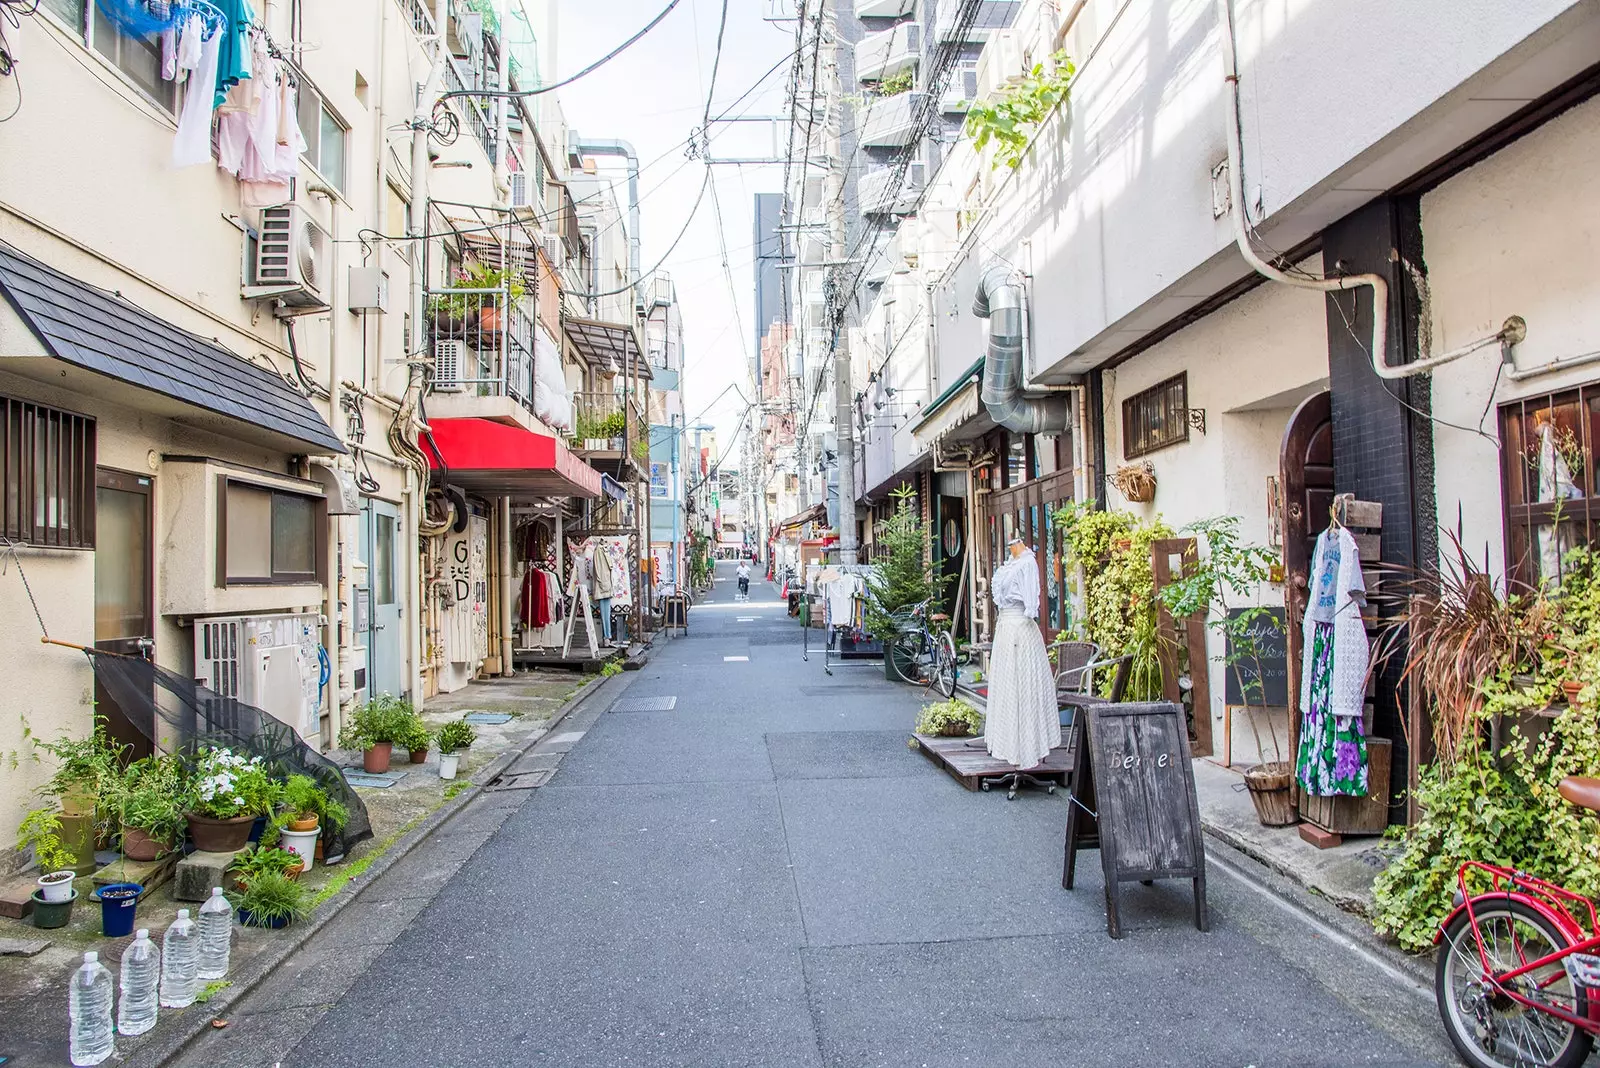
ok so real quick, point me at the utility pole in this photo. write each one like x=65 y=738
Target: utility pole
x=844 y=394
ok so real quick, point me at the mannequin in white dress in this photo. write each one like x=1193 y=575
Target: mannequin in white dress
x=1023 y=722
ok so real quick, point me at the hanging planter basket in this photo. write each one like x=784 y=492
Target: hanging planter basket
x=1136 y=482
x=1269 y=790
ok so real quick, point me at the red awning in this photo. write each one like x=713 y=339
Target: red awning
x=494 y=458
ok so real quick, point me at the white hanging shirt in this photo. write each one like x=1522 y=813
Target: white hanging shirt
x=1016 y=585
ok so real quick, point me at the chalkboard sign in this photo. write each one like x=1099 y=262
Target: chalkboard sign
x=1266 y=683
x=1135 y=776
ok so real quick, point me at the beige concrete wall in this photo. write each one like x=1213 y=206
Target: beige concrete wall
x=1516 y=235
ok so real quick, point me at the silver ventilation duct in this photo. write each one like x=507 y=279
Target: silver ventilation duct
x=999 y=300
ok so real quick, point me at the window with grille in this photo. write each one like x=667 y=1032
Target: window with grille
x=1548 y=480
x=47 y=461
x=1156 y=417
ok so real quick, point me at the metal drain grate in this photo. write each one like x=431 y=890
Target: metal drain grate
x=645 y=704
x=527 y=780
x=487 y=718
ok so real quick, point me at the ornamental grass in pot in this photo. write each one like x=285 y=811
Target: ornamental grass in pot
x=228 y=792
x=454 y=737
x=273 y=900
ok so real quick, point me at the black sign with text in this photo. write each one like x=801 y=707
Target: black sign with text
x=1259 y=670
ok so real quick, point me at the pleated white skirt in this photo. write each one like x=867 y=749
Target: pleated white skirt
x=1022 y=723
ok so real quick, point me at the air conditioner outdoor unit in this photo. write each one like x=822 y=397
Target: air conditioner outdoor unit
x=555 y=250
x=520 y=189
x=449 y=356
x=268 y=662
x=293 y=258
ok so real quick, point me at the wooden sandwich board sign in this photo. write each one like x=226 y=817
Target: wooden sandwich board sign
x=1135 y=777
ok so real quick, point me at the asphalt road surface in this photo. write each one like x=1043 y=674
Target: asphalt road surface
x=767 y=876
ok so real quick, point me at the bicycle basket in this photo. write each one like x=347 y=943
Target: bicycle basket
x=1583 y=969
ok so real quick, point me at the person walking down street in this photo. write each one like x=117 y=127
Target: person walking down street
x=1022 y=724
x=744 y=580
x=602 y=587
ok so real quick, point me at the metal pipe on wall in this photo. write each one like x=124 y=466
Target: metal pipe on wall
x=507 y=667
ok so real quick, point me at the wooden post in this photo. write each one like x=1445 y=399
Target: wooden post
x=1192 y=642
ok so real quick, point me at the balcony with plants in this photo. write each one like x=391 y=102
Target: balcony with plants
x=889 y=53
x=611 y=433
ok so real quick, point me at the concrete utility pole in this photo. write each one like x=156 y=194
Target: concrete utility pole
x=844 y=394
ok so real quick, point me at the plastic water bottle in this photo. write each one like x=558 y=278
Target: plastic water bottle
x=90 y=1003
x=216 y=935
x=141 y=980
x=180 y=959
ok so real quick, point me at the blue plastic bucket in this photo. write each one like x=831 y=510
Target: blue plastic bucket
x=118 y=903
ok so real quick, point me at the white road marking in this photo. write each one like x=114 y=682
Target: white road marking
x=731 y=659
x=569 y=736
x=746 y=619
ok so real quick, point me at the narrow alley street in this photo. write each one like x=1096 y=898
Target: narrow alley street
x=765 y=875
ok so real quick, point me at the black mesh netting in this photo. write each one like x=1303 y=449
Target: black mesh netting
x=179 y=715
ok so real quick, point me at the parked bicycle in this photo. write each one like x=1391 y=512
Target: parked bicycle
x=923 y=651
x=1518 y=974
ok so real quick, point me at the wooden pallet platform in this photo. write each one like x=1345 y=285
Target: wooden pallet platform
x=969 y=765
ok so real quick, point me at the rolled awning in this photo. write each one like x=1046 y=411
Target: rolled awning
x=495 y=458
x=957 y=413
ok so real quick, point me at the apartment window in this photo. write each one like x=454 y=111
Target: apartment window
x=326 y=136
x=1156 y=417
x=268 y=535
x=1548 y=480
x=47 y=459
x=139 y=60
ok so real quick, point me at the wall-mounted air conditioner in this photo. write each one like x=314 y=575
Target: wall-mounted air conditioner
x=269 y=662
x=293 y=258
x=522 y=189
x=555 y=250
x=450 y=355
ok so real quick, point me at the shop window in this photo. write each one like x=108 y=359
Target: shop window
x=1548 y=480
x=1156 y=417
x=268 y=535
x=47 y=459
x=1016 y=460
x=138 y=59
x=325 y=134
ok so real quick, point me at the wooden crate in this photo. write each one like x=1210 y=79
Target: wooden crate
x=1355 y=815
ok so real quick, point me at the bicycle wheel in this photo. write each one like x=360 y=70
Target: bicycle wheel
x=1489 y=1029
x=905 y=652
x=944 y=665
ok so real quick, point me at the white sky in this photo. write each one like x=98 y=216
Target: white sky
x=653 y=96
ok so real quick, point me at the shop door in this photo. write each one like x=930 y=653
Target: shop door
x=951 y=542
x=1306 y=477
x=1030 y=509
x=124 y=594
x=385 y=636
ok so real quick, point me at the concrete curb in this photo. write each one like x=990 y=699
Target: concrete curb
x=175 y=1041
x=1350 y=903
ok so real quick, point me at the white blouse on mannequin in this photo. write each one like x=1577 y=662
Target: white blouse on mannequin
x=1016 y=585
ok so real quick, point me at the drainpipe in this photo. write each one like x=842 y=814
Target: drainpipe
x=507 y=667
x=999 y=299
x=611 y=146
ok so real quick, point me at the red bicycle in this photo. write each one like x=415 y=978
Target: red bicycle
x=1518 y=975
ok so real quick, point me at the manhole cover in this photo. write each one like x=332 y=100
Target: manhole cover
x=645 y=704
x=530 y=780
x=489 y=718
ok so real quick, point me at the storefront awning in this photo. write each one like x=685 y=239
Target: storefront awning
x=614 y=490
x=144 y=361
x=609 y=345
x=817 y=513
x=957 y=413
x=495 y=458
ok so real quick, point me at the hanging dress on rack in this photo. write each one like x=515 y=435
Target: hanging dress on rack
x=1023 y=722
x=1333 y=747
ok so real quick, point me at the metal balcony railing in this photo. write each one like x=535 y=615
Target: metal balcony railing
x=459 y=79
x=610 y=422
x=420 y=17
x=482 y=344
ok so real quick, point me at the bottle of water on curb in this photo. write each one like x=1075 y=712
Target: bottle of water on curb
x=216 y=935
x=141 y=980
x=90 y=1004
x=180 y=959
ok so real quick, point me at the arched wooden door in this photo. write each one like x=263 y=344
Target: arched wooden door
x=1305 y=472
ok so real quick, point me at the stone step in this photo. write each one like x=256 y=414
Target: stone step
x=198 y=872
x=149 y=874
x=16 y=897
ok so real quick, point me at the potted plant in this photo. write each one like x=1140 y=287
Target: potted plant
x=454 y=737
x=1136 y=482
x=272 y=900
x=950 y=719
x=901 y=578
x=150 y=804
x=303 y=808
x=229 y=791
x=415 y=739
x=41 y=829
x=373 y=729
x=257 y=860
x=119 y=904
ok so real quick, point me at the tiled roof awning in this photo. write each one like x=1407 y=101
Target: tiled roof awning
x=613 y=345
x=494 y=458
x=87 y=327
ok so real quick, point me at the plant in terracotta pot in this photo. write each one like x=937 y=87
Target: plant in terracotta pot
x=151 y=805
x=41 y=830
x=228 y=792
x=374 y=728
x=454 y=737
x=304 y=811
x=273 y=900
x=415 y=738
x=87 y=773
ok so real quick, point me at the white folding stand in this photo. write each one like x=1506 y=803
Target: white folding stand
x=580 y=610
